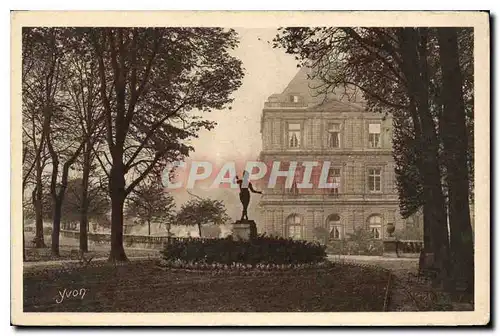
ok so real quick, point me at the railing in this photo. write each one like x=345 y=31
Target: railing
x=129 y=240
x=286 y=105
x=410 y=246
x=46 y=230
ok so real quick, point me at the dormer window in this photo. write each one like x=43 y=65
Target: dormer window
x=294 y=98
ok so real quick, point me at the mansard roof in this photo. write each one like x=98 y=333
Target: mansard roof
x=334 y=105
x=307 y=89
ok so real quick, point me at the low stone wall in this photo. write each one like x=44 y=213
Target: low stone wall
x=133 y=241
x=401 y=248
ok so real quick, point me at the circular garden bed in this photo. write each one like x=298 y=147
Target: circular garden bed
x=240 y=268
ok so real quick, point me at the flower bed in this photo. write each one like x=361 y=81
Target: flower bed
x=239 y=268
x=262 y=252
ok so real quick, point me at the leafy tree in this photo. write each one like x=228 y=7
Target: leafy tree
x=150 y=203
x=41 y=69
x=95 y=208
x=53 y=128
x=455 y=140
x=98 y=203
x=398 y=72
x=155 y=84
x=201 y=211
x=409 y=232
x=82 y=89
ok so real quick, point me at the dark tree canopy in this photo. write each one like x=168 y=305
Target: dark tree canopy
x=150 y=203
x=201 y=211
x=155 y=86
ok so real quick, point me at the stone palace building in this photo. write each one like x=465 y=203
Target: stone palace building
x=298 y=125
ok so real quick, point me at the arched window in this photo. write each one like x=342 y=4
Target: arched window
x=335 y=227
x=375 y=226
x=294 y=226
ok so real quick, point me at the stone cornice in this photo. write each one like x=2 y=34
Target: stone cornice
x=326 y=152
x=326 y=202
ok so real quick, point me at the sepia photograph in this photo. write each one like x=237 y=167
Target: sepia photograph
x=250 y=162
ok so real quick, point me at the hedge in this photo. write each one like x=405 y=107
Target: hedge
x=260 y=250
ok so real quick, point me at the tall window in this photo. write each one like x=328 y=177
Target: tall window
x=374 y=135
x=293 y=135
x=294 y=190
x=334 y=177
x=294 y=226
x=334 y=135
x=375 y=226
x=335 y=228
x=374 y=179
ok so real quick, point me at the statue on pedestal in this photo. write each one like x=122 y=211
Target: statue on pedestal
x=245 y=185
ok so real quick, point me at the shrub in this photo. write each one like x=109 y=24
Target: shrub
x=359 y=242
x=410 y=246
x=410 y=232
x=321 y=234
x=350 y=247
x=261 y=250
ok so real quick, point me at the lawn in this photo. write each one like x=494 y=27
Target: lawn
x=144 y=287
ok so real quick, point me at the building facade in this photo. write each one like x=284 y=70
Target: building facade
x=299 y=125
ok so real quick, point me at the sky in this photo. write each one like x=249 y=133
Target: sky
x=267 y=71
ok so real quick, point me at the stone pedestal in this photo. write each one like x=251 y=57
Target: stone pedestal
x=391 y=247
x=244 y=230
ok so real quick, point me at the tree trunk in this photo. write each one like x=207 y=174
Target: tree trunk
x=415 y=71
x=199 y=229
x=168 y=229
x=84 y=204
x=37 y=202
x=149 y=227
x=427 y=229
x=56 y=226
x=456 y=146
x=24 y=244
x=117 y=194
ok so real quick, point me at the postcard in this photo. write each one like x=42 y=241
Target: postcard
x=250 y=168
